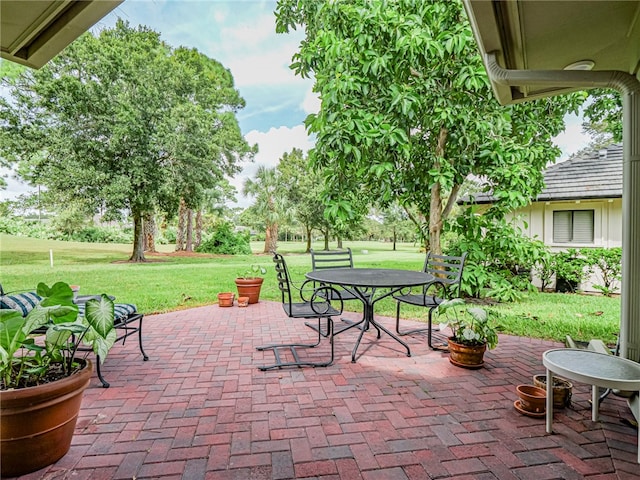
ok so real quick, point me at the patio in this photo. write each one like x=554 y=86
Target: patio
x=200 y=409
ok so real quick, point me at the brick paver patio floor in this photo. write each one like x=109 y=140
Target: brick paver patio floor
x=200 y=409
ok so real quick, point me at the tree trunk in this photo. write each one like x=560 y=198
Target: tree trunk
x=189 y=240
x=395 y=237
x=198 y=229
x=271 y=238
x=149 y=233
x=138 y=239
x=435 y=210
x=339 y=243
x=181 y=226
x=309 y=230
x=326 y=239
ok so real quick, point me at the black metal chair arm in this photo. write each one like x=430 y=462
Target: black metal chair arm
x=326 y=294
x=308 y=286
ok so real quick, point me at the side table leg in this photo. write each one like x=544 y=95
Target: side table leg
x=595 y=402
x=549 y=406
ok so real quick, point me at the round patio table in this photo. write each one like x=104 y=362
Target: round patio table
x=596 y=369
x=371 y=285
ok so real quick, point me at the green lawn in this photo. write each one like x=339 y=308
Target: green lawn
x=169 y=283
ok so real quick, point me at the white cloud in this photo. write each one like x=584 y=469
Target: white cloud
x=573 y=138
x=272 y=145
x=311 y=102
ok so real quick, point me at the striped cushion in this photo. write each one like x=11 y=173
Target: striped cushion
x=121 y=311
x=22 y=302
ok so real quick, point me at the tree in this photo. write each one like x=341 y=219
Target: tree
x=123 y=121
x=269 y=203
x=604 y=114
x=407 y=112
x=303 y=187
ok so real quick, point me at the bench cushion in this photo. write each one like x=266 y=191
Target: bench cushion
x=22 y=302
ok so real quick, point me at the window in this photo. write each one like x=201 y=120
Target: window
x=573 y=226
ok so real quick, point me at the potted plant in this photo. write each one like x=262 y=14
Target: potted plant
x=472 y=333
x=249 y=283
x=41 y=382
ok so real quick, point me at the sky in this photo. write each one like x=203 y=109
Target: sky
x=240 y=34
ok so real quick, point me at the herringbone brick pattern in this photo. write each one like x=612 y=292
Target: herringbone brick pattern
x=200 y=409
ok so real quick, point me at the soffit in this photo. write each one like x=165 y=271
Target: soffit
x=549 y=35
x=33 y=32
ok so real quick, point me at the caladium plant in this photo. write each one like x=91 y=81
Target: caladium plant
x=27 y=359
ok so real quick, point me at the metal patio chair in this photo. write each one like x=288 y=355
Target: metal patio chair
x=448 y=272
x=323 y=303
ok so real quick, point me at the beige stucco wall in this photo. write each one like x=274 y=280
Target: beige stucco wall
x=536 y=221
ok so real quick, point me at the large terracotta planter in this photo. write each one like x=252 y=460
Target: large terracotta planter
x=249 y=287
x=466 y=356
x=37 y=423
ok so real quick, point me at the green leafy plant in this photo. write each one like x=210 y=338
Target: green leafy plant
x=25 y=362
x=254 y=271
x=607 y=262
x=471 y=327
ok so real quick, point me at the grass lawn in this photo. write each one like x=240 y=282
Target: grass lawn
x=169 y=282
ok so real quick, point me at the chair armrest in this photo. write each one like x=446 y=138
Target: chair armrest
x=436 y=289
x=321 y=300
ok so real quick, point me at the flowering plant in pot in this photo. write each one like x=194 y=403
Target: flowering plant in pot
x=250 y=281
x=42 y=380
x=472 y=331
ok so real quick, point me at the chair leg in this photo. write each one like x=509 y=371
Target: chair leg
x=292 y=349
x=442 y=348
x=144 y=355
x=415 y=330
x=105 y=384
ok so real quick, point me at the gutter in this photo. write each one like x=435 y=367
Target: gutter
x=623 y=82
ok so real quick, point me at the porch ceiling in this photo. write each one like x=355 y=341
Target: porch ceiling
x=33 y=32
x=549 y=35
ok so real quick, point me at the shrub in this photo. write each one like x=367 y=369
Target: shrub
x=607 y=264
x=499 y=257
x=226 y=241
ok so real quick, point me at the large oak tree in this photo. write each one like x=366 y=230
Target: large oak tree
x=124 y=122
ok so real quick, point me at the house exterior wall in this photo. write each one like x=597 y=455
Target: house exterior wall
x=536 y=221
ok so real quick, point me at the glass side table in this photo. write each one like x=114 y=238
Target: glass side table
x=594 y=368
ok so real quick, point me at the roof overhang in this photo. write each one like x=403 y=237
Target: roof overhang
x=33 y=32
x=533 y=35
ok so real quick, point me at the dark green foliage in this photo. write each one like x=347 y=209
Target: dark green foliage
x=569 y=269
x=226 y=241
x=500 y=257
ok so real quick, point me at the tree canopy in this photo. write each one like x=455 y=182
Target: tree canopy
x=407 y=112
x=123 y=121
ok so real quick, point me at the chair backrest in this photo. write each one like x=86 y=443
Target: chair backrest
x=331 y=259
x=284 y=282
x=446 y=269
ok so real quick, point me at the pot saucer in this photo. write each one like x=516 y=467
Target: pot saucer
x=465 y=365
x=526 y=412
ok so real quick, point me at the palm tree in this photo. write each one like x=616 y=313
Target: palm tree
x=269 y=203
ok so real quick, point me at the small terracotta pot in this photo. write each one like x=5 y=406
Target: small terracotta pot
x=225 y=299
x=243 y=301
x=466 y=356
x=532 y=399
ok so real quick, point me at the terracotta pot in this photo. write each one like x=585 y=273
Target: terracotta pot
x=249 y=287
x=562 y=389
x=243 y=301
x=532 y=399
x=37 y=423
x=225 y=299
x=466 y=356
